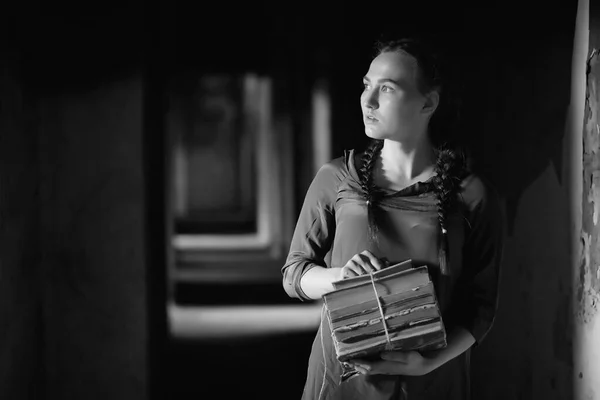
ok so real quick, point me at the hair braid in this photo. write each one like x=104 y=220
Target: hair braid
x=368 y=186
x=450 y=168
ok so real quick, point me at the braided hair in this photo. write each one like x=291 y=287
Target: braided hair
x=450 y=169
x=451 y=162
x=369 y=190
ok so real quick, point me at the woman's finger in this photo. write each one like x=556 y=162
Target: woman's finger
x=349 y=271
x=365 y=263
x=374 y=261
x=359 y=264
x=359 y=267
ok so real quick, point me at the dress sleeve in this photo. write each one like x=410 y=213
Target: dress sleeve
x=314 y=230
x=478 y=286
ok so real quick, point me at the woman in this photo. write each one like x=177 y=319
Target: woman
x=404 y=197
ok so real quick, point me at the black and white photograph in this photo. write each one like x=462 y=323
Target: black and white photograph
x=385 y=200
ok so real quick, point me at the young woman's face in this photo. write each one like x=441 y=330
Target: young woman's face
x=392 y=105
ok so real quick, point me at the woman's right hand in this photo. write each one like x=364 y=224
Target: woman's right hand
x=361 y=264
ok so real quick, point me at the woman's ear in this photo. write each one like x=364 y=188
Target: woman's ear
x=432 y=100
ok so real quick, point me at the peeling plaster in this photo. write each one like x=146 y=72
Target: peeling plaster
x=592 y=128
x=594 y=194
x=588 y=287
x=587 y=295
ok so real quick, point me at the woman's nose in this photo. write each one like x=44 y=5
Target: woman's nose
x=370 y=99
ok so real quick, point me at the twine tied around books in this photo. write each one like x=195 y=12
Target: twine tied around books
x=385 y=328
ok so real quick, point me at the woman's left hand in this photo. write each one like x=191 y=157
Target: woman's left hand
x=395 y=363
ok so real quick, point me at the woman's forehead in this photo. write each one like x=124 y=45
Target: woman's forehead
x=394 y=65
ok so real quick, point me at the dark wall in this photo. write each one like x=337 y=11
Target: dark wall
x=73 y=264
x=93 y=265
x=21 y=344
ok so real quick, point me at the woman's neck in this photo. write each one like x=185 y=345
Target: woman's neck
x=402 y=164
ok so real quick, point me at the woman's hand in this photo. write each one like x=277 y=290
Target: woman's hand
x=410 y=363
x=361 y=264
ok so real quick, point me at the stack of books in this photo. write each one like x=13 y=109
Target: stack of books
x=391 y=309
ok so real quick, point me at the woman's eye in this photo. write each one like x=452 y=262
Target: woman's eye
x=386 y=89
x=366 y=86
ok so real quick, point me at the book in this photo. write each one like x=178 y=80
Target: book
x=395 y=308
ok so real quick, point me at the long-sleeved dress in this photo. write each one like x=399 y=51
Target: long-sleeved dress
x=332 y=228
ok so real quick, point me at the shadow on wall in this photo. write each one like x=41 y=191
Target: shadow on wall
x=516 y=128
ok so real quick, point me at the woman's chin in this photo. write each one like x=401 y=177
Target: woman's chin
x=374 y=134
